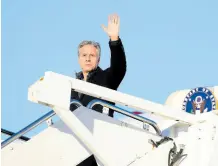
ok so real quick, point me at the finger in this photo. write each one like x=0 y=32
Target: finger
x=115 y=18
x=110 y=20
x=104 y=28
x=118 y=20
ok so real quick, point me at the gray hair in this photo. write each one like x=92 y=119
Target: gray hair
x=93 y=43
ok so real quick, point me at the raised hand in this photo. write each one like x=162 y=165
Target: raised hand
x=113 y=27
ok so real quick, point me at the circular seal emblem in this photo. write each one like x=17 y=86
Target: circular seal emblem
x=199 y=100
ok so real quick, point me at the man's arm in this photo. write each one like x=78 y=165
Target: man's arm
x=117 y=69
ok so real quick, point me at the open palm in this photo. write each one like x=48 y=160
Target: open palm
x=113 y=26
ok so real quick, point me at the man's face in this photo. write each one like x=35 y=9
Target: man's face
x=88 y=58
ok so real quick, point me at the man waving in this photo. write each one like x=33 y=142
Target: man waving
x=89 y=53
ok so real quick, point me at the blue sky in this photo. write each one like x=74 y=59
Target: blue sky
x=170 y=45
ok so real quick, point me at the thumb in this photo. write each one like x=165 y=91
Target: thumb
x=104 y=28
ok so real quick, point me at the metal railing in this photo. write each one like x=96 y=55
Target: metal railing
x=125 y=112
x=10 y=133
x=27 y=128
x=33 y=125
x=48 y=115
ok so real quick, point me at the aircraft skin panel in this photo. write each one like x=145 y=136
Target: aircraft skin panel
x=175 y=99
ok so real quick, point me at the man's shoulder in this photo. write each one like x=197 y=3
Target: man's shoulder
x=101 y=72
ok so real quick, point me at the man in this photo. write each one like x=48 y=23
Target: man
x=89 y=53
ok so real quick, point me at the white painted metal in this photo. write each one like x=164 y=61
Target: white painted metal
x=44 y=91
x=57 y=145
x=49 y=122
x=157 y=157
x=114 y=143
x=82 y=133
